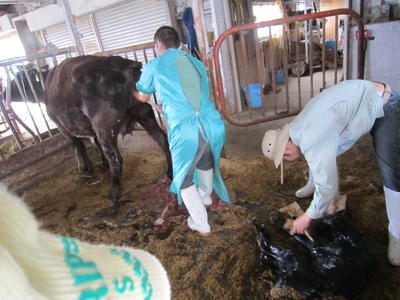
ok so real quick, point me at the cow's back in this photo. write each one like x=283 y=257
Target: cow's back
x=82 y=88
x=60 y=92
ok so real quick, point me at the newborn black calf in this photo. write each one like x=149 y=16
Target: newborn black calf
x=339 y=264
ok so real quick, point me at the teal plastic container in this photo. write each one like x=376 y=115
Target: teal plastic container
x=279 y=77
x=255 y=95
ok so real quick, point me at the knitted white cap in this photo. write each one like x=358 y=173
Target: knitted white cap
x=36 y=265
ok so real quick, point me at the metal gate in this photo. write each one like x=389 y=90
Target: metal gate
x=22 y=115
x=266 y=91
x=23 y=118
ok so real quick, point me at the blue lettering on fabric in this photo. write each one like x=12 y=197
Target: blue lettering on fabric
x=83 y=272
x=94 y=295
x=138 y=269
x=127 y=282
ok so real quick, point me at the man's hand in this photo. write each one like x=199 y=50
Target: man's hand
x=301 y=224
x=185 y=48
x=140 y=96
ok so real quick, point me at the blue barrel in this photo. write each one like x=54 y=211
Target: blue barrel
x=255 y=95
x=279 y=77
x=330 y=44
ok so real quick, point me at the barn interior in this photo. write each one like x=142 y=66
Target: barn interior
x=260 y=78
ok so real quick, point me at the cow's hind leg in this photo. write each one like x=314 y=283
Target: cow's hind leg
x=145 y=117
x=107 y=135
x=80 y=146
x=103 y=157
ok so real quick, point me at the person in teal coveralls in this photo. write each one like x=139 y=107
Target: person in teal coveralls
x=196 y=132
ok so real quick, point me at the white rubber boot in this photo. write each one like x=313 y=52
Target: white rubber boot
x=392 y=199
x=205 y=185
x=394 y=250
x=308 y=189
x=198 y=219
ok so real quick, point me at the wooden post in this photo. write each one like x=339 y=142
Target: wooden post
x=197 y=8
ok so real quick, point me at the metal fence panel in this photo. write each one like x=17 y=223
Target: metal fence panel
x=263 y=65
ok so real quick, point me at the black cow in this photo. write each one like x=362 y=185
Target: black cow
x=22 y=79
x=91 y=96
x=336 y=264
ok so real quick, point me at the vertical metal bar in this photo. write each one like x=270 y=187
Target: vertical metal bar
x=96 y=32
x=264 y=70
x=36 y=62
x=298 y=33
x=271 y=58
x=235 y=81
x=336 y=43
x=260 y=73
x=285 y=37
x=145 y=56
x=24 y=97
x=53 y=58
x=135 y=55
x=346 y=46
x=9 y=97
x=323 y=53
x=36 y=99
x=246 y=83
x=248 y=97
x=198 y=16
x=69 y=21
x=13 y=130
x=310 y=38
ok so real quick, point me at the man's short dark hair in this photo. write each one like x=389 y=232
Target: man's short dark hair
x=168 y=36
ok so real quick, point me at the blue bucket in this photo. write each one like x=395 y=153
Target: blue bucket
x=279 y=77
x=255 y=95
x=330 y=44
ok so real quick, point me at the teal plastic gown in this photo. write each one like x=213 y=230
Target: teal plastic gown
x=185 y=124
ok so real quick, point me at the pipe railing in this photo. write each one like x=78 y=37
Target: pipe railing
x=267 y=62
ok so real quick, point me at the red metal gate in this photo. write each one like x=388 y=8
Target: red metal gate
x=270 y=93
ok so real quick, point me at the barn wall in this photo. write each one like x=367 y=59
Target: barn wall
x=123 y=24
x=330 y=24
x=53 y=14
x=381 y=61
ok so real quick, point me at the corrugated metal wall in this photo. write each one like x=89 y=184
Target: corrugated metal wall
x=130 y=23
x=58 y=35
x=124 y=24
x=88 y=37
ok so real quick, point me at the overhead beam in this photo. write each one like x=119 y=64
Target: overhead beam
x=5 y=2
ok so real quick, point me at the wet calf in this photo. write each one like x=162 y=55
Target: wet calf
x=336 y=264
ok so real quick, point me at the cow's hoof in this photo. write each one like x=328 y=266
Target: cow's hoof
x=105 y=164
x=114 y=196
x=88 y=171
